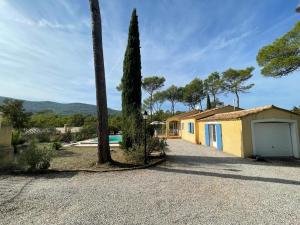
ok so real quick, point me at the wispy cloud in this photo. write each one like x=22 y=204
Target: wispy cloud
x=46 y=46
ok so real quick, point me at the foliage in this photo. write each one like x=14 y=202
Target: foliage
x=156 y=144
x=150 y=85
x=50 y=120
x=234 y=81
x=132 y=134
x=76 y=120
x=173 y=94
x=17 y=139
x=135 y=153
x=66 y=137
x=15 y=113
x=37 y=157
x=282 y=57
x=214 y=85
x=296 y=109
x=131 y=85
x=56 y=145
x=193 y=93
x=114 y=124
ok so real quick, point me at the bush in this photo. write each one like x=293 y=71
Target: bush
x=37 y=158
x=156 y=144
x=66 y=137
x=17 y=139
x=56 y=145
x=135 y=154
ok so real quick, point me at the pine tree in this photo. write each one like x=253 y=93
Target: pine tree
x=102 y=128
x=208 y=103
x=131 y=86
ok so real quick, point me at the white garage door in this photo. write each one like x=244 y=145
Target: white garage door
x=273 y=139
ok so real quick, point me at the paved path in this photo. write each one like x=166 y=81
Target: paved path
x=195 y=186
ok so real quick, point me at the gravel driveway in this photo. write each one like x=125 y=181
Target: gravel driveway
x=195 y=186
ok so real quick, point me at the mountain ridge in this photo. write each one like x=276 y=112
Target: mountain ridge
x=60 y=108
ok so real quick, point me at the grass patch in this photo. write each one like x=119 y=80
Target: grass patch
x=71 y=158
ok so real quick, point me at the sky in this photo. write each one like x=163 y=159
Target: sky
x=46 y=46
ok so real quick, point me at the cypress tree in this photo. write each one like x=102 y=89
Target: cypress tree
x=131 y=86
x=208 y=103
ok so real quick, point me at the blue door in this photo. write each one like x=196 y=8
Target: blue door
x=213 y=136
x=219 y=137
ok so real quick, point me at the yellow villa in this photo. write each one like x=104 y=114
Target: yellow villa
x=267 y=131
x=184 y=125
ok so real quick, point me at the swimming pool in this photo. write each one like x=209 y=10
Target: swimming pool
x=114 y=139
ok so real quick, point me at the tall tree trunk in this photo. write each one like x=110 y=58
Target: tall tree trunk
x=173 y=108
x=214 y=99
x=151 y=106
x=237 y=99
x=102 y=126
x=200 y=105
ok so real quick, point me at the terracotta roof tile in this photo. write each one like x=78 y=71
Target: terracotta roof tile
x=242 y=113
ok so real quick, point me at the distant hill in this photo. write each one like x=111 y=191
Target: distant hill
x=61 y=108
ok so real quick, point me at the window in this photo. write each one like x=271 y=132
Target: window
x=191 y=128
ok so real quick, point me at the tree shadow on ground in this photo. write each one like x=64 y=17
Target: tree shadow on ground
x=48 y=174
x=189 y=160
x=227 y=176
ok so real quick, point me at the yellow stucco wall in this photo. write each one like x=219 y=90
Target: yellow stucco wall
x=185 y=135
x=237 y=134
x=5 y=136
x=268 y=114
x=231 y=135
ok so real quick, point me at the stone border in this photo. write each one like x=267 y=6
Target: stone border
x=113 y=170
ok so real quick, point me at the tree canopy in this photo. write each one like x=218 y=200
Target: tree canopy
x=173 y=94
x=15 y=113
x=150 y=85
x=234 y=81
x=131 y=86
x=214 y=85
x=282 y=57
x=193 y=93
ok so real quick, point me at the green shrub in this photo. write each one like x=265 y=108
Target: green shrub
x=43 y=137
x=156 y=144
x=37 y=158
x=56 y=145
x=66 y=137
x=135 y=153
x=17 y=139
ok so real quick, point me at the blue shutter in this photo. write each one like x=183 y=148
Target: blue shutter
x=219 y=137
x=207 y=134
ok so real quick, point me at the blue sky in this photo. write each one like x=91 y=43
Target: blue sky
x=46 y=48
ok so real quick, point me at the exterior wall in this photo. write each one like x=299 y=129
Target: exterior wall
x=185 y=135
x=201 y=132
x=231 y=135
x=268 y=114
x=5 y=136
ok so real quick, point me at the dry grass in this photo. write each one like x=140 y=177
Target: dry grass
x=71 y=158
